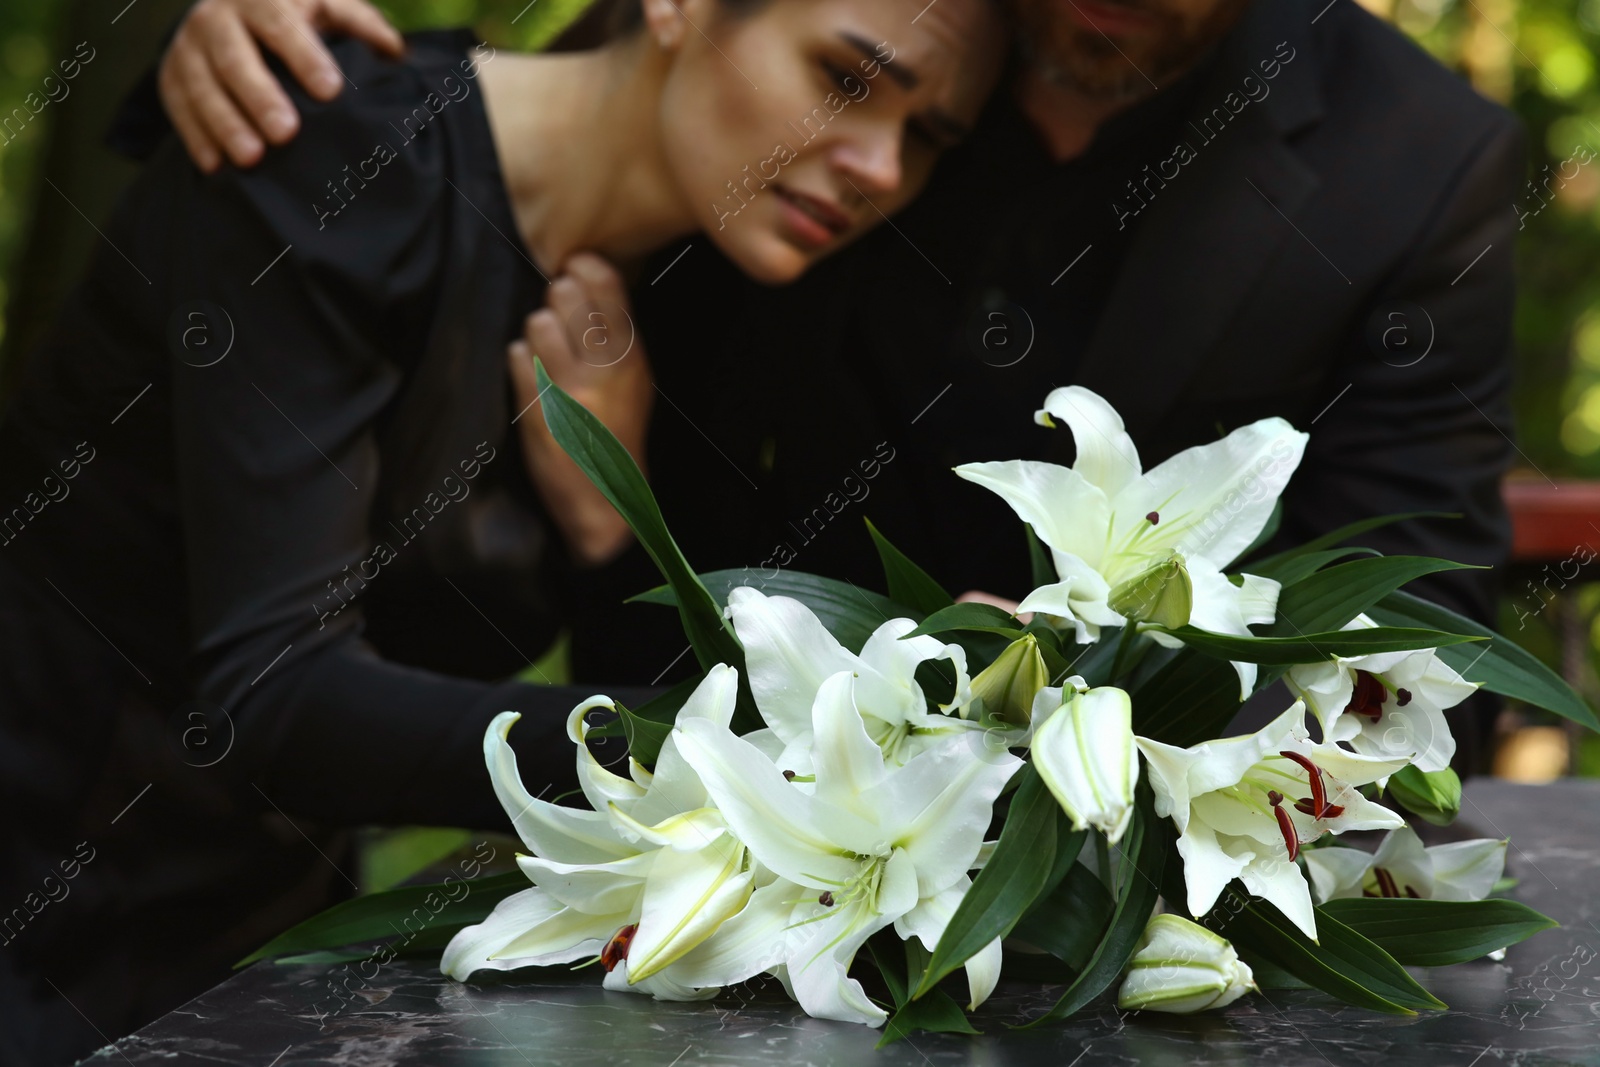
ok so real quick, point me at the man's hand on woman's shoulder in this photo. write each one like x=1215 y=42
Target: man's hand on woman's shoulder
x=215 y=85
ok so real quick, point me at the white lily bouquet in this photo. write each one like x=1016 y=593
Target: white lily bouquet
x=894 y=788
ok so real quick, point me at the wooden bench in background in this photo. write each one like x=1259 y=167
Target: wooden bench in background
x=1555 y=548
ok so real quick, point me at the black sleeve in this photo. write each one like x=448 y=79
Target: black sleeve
x=1433 y=432
x=278 y=466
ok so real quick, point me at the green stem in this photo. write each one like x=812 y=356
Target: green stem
x=1102 y=851
x=1128 y=633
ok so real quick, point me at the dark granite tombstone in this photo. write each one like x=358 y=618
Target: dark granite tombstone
x=1540 y=1006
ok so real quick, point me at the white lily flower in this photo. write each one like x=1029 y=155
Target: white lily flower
x=789 y=654
x=1244 y=806
x=1402 y=867
x=1109 y=523
x=1181 y=967
x=868 y=844
x=641 y=880
x=1086 y=754
x=1387 y=704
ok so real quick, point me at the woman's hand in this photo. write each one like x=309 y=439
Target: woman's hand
x=586 y=339
x=214 y=81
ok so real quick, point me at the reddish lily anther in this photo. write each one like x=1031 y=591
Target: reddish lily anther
x=1317 y=807
x=1291 y=838
x=1368 y=696
x=616 y=949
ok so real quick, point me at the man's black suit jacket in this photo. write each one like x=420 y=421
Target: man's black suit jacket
x=1340 y=256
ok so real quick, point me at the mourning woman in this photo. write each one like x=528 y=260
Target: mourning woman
x=278 y=514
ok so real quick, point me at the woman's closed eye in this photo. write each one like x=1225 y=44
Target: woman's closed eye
x=842 y=78
x=922 y=130
x=918 y=128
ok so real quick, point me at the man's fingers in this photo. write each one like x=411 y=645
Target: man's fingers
x=205 y=152
x=214 y=109
x=364 y=22
x=243 y=71
x=292 y=36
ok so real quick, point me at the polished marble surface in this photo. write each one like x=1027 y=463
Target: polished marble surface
x=1541 y=1006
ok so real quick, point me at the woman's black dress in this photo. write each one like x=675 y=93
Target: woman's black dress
x=264 y=526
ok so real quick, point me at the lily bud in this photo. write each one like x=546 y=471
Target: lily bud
x=1163 y=594
x=1086 y=755
x=1182 y=967
x=1435 y=796
x=1005 y=689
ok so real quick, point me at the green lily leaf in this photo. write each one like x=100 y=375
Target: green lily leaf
x=381 y=915
x=646 y=728
x=937 y=1013
x=645 y=736
x=1009 y=883
x=430 y=942
x=1069 y=920
x=885 y=949
x=1313 y=648
x=1298 y=568
x=1092 y=662
x=1044 y=568
x=1437 y=933
x=1190 y=699
x=1194 y=695
x=1502 y=666
x=1333 y=596
x=1340 y=962
x=848 y=612
x=612 y=469
x=1267 y=564
x=1145 y=849
x=908 y=583
x=977 y=618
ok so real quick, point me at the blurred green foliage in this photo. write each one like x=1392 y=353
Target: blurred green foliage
x=1538 y=57
x=28 y=30
x=513 y=23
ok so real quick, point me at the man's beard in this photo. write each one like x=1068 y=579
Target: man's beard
x=1094 y=65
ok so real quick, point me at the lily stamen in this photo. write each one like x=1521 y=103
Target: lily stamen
x=1137 y=535
x=616 y=949
x=1291 y=838
x=1369 y=695
x=1332 y=811
x=1319 y=807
